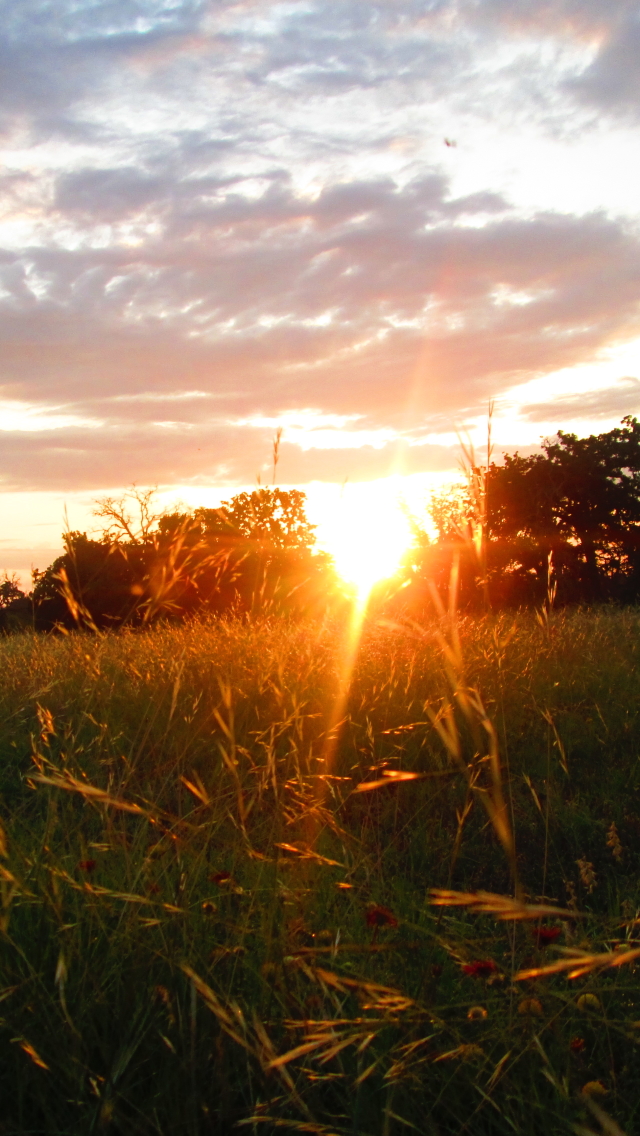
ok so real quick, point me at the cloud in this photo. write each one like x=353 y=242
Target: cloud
x=253 y=201
x=616 y=401
x=369 y=301
x=612 y=80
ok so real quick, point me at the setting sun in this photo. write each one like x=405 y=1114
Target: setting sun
x=367 y=532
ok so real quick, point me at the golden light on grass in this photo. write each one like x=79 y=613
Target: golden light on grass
x=367 y=537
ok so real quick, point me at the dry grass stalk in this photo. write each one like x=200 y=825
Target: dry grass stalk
x=577 y=965
x=91 y=793
x=503 y=907
x=613 y=842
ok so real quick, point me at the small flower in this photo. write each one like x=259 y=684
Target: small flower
x=577 y=1044
x=477 y=1014
x=87 y=866
x=588 y=1002
x=594 y=1089
x=378 y=916
x=436 y=970
x=220 y=878
x=531 y=1006
x=544 y=936
x=208 y=907
x=482 y=968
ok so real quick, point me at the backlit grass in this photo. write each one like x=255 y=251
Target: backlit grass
x=206 y=924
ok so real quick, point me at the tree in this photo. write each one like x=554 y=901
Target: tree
x=10 y=590
x=254 y=553
x=578 y=501
x=129 y=518
x=575 y=505
x=258 y=553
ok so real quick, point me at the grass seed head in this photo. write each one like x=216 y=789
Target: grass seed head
x=613 y=842
x=588 y=877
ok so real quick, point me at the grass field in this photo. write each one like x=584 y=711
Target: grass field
x=208 y=923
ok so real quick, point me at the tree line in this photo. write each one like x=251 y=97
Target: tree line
x=255 y=553
x=561 y=525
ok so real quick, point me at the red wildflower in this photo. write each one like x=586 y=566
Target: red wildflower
x=378 y=916
x=86 y=866
x=544 y=936
x=220 y=878
x=576 y=1045
x=482 y=968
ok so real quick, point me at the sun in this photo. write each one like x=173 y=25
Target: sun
x=367 y=533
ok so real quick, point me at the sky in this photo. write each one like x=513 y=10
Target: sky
x=355 y=221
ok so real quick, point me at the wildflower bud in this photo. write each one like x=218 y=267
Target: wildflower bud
x=477 y=1014
x=378 y=916
x=482 y=968
x=220 y=878
x=544 y=936
x=588 y=1002
x=594 y=1089
x=531 y=1006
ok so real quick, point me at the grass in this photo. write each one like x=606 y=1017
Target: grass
x=206 y=924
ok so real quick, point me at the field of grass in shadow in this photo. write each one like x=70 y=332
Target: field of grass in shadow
x=204 y=925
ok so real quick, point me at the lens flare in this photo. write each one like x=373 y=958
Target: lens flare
x=368 y=536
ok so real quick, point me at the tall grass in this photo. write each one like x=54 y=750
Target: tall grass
x=204 y=926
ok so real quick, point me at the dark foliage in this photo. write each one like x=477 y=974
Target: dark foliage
x=254 y=553
x=566 y=519
x=561 y=525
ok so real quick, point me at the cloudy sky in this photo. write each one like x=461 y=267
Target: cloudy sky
x=359 y=221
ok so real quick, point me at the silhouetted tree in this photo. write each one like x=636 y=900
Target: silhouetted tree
x=10 y=590
x=253 y=553
x=577 y=502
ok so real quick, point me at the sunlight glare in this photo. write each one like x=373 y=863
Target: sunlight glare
x=368 y=534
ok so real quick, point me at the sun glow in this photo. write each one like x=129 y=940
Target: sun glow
x=367 y=532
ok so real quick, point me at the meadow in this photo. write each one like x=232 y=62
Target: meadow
x=245 y=873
